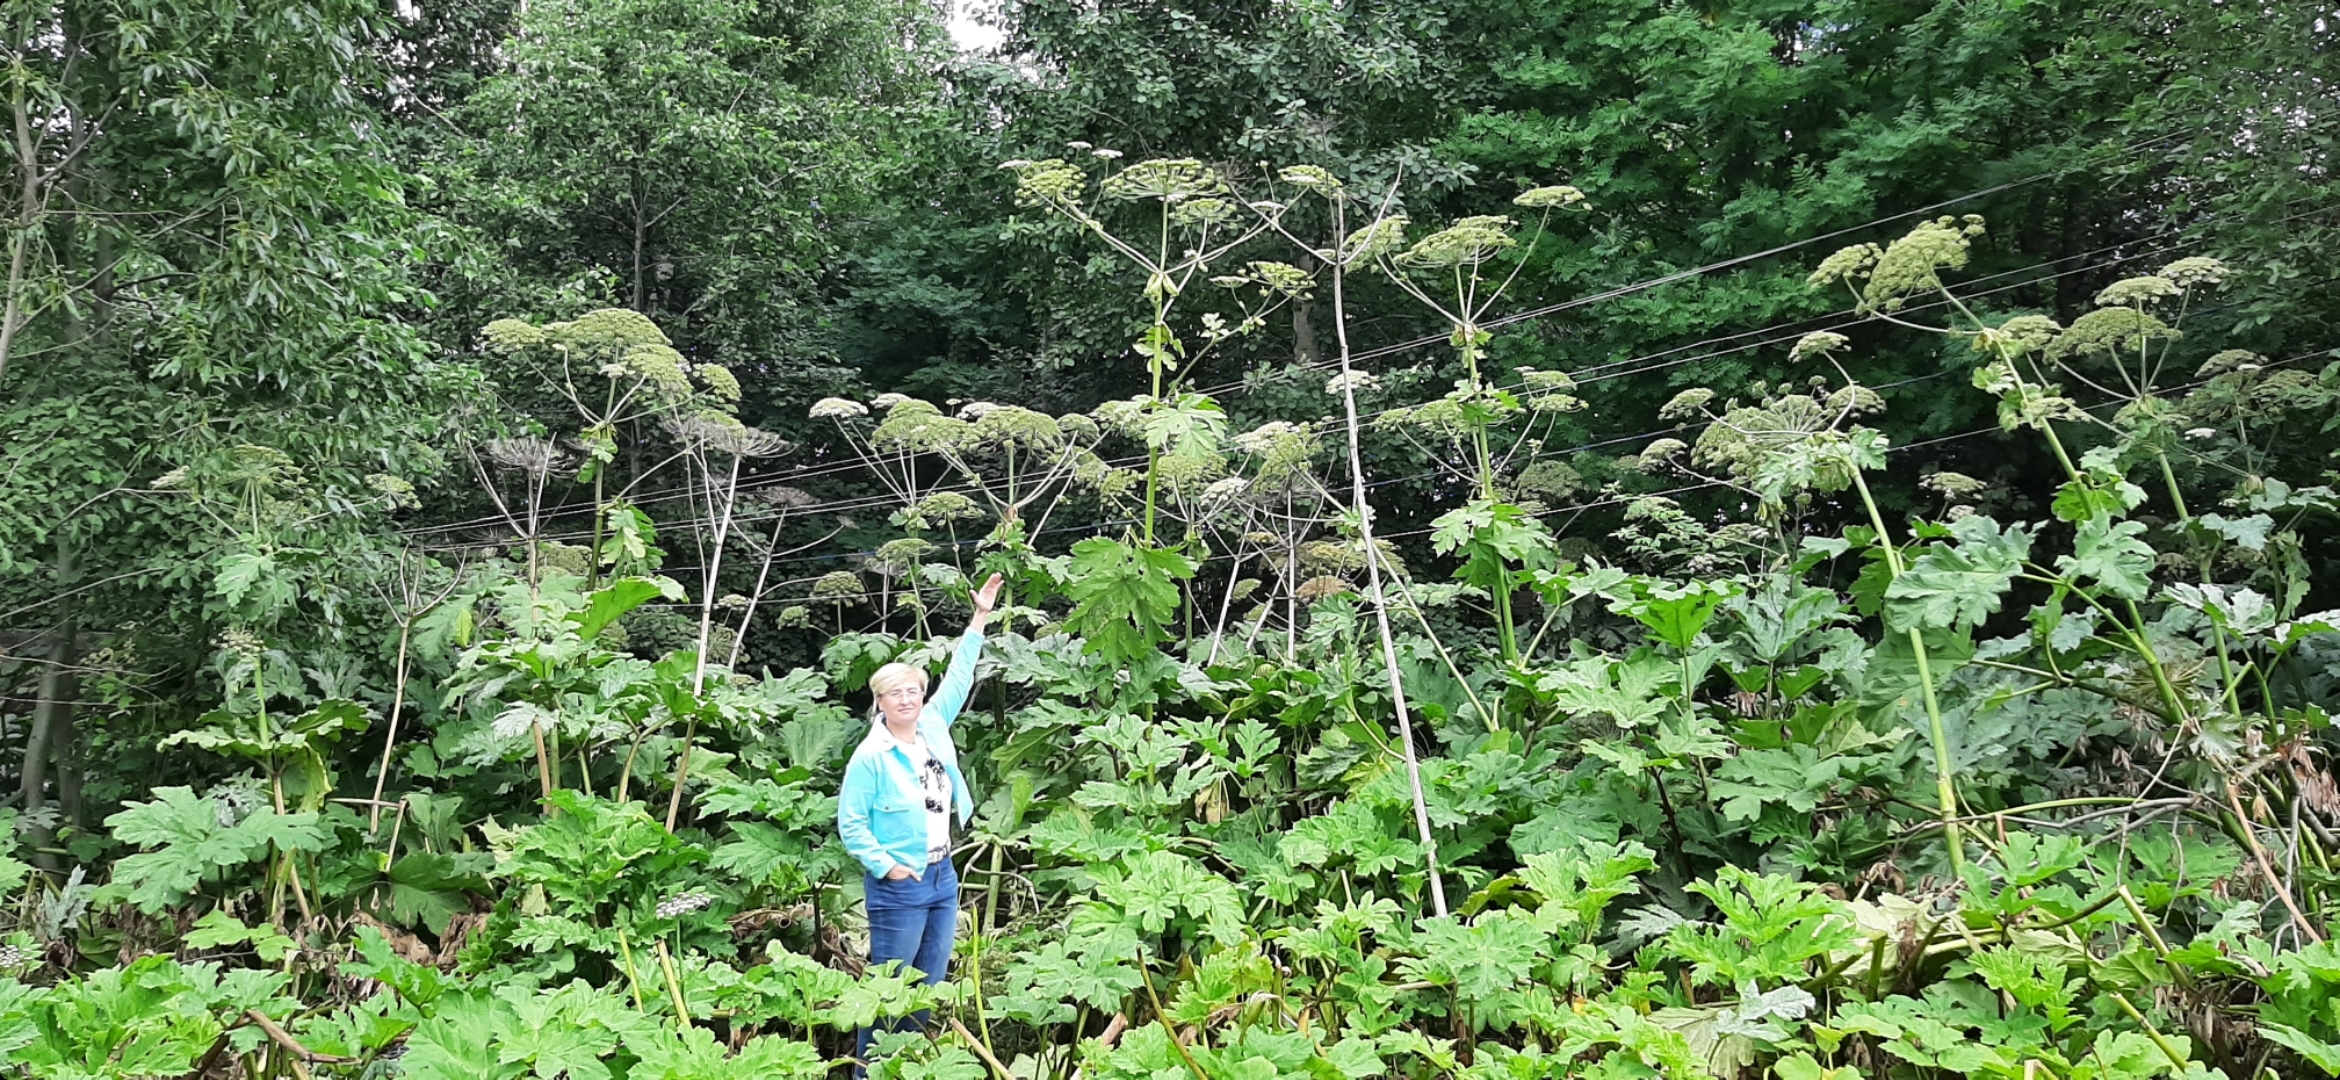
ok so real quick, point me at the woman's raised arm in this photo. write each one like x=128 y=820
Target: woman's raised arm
x=958 y=680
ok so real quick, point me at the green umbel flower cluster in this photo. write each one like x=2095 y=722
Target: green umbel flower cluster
x=1013 y=426
x=1687 y=404
x=1045 y=183
x=918 y=427
x=1466 y=243
x=1817 y=345
x=1171 y=180
x=2195 y=271
x=2138 y=291
x=1555 y=197
x=1549 y=480
x=608 y=329
x=1912 y=265
x=1282 y=449
x=2109 y=330
x=837 y=586
x=511 y=335
x=1371 y=242
x=1311 y=178
x=1283 y=279
x=2018 y=336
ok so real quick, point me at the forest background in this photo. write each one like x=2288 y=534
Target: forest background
x=371 y=573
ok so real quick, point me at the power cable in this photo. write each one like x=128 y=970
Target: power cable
x=1796 y=329
x=1506 y=320
x=1622 y=499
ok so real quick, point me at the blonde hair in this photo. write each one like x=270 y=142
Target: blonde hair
x=893 y=677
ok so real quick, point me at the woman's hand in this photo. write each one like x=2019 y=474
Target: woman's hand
x=985 y=597
x=898 y=873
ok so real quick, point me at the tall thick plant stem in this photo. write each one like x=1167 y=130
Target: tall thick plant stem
x=2267 y=866
x=1162 y=1017
x=1373 y=591
x=390 y=734
x=1945 y=786
x=682 y=764
x=52 y=714
x=2169 y=479
x=544 y=779
x=2160 y=1041
x=682 y=1008
x=398 y=689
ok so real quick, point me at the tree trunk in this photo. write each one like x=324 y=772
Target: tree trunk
x=641 y=233
x=1304 y=349
x=63 y=734
x=12 y=310
x=50 y=733
x=65 y=758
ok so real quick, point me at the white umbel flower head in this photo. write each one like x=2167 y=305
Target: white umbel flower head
x=677 y=906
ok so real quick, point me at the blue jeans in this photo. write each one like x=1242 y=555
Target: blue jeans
x=912 y=920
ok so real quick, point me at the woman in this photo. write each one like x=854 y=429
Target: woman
x=896 y=807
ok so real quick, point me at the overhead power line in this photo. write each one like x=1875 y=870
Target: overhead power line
x=669 y=494
x=1618 y=500
x=1785 y=332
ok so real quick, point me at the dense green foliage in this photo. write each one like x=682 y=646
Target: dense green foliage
x=1543 y=540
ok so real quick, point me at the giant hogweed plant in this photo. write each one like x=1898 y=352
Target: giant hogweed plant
x=1015 y=466
x=1195 y=220
x=2204 y=668
x=1457 y=255
x=1449 y=271
x=284 y=707
x=617 y=371
x=1791 y=446
x=639 y=378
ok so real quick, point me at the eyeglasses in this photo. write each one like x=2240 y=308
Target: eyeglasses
x=904 y=693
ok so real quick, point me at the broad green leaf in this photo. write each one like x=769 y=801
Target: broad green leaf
x=2097 y=495
x=428 y=889
x=1678 y=614
x=192 y=845
x=2306 y=626
x=1124 y=597
x=1961 y=584
x=245 y=576
x=759 y=850
x=2314 y=1051
x=1801 y=1066
x=2113 y=555
x=217 y=928
x=615 y=599
x=238 y=573
x=459 y=1042
x=1479 y=961
x=2249 y=533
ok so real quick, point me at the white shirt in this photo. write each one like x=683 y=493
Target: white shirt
x=935 y=781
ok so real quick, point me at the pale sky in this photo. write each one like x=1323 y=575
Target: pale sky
x=967 y=33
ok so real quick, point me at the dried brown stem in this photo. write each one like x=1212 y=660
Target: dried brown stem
x=2266 y=867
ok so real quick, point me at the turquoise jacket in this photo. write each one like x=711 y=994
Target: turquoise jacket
x=881 y=811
